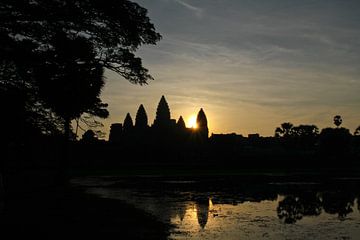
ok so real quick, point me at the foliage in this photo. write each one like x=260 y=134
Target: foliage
x=115 y=29
x=357 y=131
x=337 y=120
x=284 y=130
x=89 y=136
x=70 y=80
x=301 y=136
x=53 y=54
x=334 y=142
x=88 y=122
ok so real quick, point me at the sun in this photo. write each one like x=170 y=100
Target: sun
x=192 y=122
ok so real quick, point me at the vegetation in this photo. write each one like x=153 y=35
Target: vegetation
x=53 y=56
x=337 y=120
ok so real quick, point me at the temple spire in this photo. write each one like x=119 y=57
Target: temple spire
x=181 y=123
x=128 y=123
x=162 y=114
x=202 y=124
x=141 y=119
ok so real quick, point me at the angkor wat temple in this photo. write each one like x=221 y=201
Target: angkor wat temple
x=163 y=129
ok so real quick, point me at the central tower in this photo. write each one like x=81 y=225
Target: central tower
x=162 y=119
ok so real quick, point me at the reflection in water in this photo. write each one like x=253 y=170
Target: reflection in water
x=293 y=208
x=338 y=203
x=249 y=212
x=181 y=211
x=202 y=211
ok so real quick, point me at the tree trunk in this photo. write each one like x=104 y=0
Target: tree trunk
x=63 y=178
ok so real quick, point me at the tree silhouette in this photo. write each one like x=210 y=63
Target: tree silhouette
x=305 y=135
x=128 y=123
x=116 y=28
x=305 y=130
x=285 y=130
x=294 y=208
x=338 y=203
x=162 y=118
x=334 y=142
x=141 y=119
x=337 y=120
x=71 y=81
x=89 y=121
x=31 y=34
x=357 y=131
x=25 y=110
x=89 y=136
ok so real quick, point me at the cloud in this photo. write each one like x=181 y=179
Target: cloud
x=251 y=64
x=197 y=11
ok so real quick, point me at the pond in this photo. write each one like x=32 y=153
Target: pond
x=232 y=208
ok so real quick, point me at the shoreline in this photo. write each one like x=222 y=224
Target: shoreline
x=63 y=212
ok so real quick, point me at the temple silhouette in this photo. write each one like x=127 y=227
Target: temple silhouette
x=163 y=129
x=168 y=142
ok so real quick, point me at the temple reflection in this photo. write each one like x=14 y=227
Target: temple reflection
x=202 y=211
x=235 y=210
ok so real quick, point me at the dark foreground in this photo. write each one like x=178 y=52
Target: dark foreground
x=62 y=213
x=34 y=208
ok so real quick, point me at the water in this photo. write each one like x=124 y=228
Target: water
x=231 y=209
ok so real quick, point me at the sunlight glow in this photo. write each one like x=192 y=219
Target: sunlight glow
x=192 y=121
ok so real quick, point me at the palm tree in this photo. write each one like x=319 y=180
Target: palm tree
x=337 y=120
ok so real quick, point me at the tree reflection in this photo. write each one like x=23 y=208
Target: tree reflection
x=294 y=207
x=338 y=203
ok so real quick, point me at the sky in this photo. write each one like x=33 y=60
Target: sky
x=250 y=64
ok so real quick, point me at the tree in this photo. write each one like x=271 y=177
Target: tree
x=299 y=136
x=90 y=122
x=89 y=136
x=34 y=56
x=335 y=143
x=357 y=131
x=26 y=113
x=285 y=130
x=116 y=29
x=305 y=130
x=71 y=80
x=305 y=136
x=141 y=119
x=337 y=120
